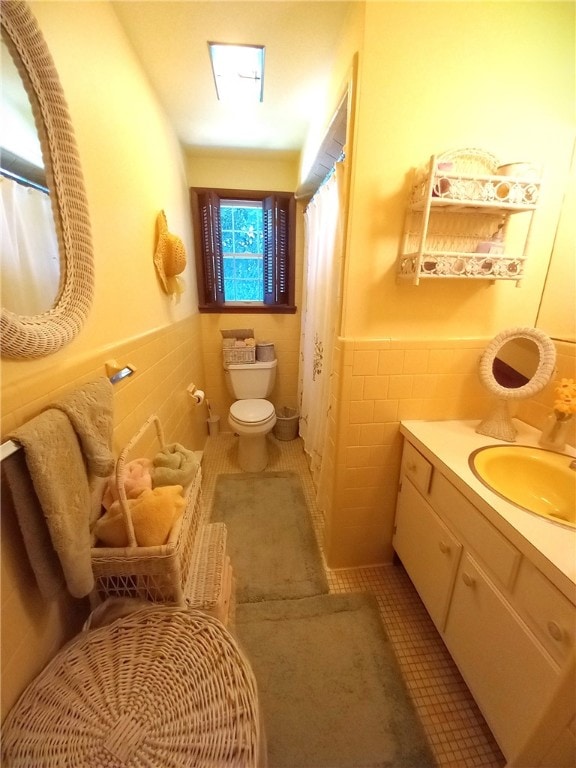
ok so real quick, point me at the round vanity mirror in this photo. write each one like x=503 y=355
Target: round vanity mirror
x=45 y=331
x=517 y=363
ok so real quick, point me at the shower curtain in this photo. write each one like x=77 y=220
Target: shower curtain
x=321 y=311
x=30 y=260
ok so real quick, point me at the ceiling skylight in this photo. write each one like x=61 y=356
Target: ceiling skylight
x=238 y=71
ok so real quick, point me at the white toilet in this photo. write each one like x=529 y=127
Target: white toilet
x=251 y=416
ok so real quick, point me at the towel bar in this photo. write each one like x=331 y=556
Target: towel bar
x=8 y=448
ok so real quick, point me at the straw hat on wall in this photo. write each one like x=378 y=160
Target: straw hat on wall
x=170 y=257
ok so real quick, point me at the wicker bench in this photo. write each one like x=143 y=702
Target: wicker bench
x=162 y=687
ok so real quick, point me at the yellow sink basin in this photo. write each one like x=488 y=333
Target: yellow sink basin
x=534 y=479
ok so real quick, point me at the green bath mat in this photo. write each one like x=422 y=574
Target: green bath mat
x=271 y=541
x=331 y=692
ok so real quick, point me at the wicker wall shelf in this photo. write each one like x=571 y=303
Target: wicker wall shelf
x=457 y=203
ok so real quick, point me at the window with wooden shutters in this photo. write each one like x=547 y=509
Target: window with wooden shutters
x=211 y=246
x=244 y=242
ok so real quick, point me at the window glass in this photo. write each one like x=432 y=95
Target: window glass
x=242 y=250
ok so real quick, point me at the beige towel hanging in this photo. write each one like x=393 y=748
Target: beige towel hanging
x=90 y=410
x=37 y=542
x=59 y=477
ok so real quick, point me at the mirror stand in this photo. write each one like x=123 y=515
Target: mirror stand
x=498 y=423
x=517 y=363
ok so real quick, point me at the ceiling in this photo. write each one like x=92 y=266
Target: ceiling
x=301 y=38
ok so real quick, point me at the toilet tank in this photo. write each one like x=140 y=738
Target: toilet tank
x=250 y=380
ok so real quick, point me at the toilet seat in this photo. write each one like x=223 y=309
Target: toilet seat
x=253 y=412
x=252 y=420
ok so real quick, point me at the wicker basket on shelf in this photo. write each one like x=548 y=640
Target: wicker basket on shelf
x=239 y=354
x=157 y=573
x=162 y=687
x=470 y=161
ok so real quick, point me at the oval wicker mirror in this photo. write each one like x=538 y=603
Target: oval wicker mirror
x=44 y=334
x=517 y=363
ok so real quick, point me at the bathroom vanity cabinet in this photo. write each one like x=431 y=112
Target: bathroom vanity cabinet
x=510 y=629
x=457 y=203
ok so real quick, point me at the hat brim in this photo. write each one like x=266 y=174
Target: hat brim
x=169 y=257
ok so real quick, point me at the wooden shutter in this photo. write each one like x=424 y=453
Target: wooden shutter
x=211 y=244
x=277 y=244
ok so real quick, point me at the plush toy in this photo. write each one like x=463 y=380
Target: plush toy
x=137 y=478
x=153 y=513
x=174 y=465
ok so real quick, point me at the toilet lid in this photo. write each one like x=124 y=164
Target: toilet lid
x=252 y=411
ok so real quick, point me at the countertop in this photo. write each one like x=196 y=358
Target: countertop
x=448 y=444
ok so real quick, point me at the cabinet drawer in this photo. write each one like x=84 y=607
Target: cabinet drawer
x=416 y=467
x=508 y=672
x=483 y=538
x=551 y=615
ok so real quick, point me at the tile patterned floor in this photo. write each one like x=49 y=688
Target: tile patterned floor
x=457 y=733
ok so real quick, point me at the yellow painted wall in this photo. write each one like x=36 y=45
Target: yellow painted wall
x=557 y=313
x=431 y=76
x=258 y=171
x=229 y=169
x=133 y=167
x=349 y=45
x=439 y=76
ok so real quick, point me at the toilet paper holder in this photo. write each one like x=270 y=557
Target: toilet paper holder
x=196 y=395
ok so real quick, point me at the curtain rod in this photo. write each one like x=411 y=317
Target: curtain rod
x=21 y=180
x=326 y=178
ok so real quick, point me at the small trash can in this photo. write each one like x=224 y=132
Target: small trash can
x=213 y=425
x=286 y=427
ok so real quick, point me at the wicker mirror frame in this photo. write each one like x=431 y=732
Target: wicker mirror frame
x=46 y=333
x=542 y=375
x=498 y=423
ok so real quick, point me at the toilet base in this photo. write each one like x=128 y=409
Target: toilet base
x=252 y=453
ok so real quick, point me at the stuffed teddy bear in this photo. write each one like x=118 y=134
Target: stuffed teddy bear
x=153 y=515
x=137 y=478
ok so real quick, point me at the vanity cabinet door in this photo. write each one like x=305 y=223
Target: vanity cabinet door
x=508 y=672
x=427 y=549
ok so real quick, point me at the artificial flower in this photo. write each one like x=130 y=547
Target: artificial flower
x=565 y=404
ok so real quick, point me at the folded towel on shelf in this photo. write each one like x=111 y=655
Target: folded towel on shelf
x=60 y=481
x=174 y=465
x=90 y=410
x=37 y=542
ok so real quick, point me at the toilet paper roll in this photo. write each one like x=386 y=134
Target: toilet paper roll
x=198 y=396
